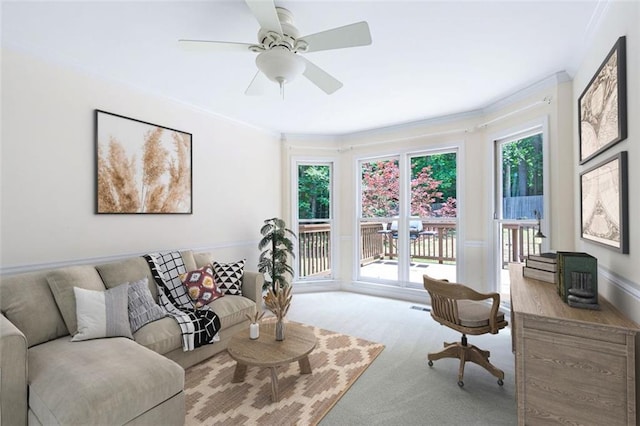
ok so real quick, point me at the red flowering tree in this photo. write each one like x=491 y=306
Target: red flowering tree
x=448 y=209
x=381 y=191
x=424 y=191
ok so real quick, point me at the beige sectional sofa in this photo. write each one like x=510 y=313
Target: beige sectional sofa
x=48 y=379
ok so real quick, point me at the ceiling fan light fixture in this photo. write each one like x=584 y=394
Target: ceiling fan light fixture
x=280 y=65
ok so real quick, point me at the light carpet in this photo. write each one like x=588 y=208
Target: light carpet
x=336 y=363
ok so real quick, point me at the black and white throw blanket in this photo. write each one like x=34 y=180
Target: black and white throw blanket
x=199 y=326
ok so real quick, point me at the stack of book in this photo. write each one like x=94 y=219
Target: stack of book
x=543 y=267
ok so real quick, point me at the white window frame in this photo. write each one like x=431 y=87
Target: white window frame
x=538 y=125
x=404 y=161
x=315 y=161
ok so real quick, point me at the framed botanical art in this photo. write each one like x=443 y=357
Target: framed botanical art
x=604 y=203
x=602 y=106
x=141 y=167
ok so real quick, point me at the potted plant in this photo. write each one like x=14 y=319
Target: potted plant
x=277 y=246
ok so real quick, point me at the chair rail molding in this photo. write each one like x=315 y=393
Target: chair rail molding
x=19 y=269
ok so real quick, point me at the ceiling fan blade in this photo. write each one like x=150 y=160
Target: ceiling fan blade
x=209 y=45
x=351 y=35
x=320 y=78
x=258 y=85
x=265 y=13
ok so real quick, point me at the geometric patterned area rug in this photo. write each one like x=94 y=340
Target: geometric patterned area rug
x=336 y=363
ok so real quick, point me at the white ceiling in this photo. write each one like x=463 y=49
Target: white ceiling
x=428 y=58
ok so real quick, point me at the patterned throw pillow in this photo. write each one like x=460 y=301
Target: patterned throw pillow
x=142 y=308
x=201 y=285
x=101 y=313
x=229 y=277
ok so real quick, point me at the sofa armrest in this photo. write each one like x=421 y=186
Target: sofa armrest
x=252 y=287
x=13 y=374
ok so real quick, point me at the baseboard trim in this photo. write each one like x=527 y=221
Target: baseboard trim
x=388 y=291
x=316 y=286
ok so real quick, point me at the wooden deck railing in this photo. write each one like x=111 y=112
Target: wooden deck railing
x=372 y=247
x=437 y=242
x=314 y=243
x=518 y=241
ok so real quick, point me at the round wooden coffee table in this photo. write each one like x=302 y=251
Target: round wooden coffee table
x=267 y=352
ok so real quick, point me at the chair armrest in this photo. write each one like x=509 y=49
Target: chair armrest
x=493 y=315
x=252 y=287
x=13 y=374
x=455 y=292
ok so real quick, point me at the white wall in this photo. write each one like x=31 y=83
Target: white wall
x=474 y=138
x=48 y=172
x=619 y=278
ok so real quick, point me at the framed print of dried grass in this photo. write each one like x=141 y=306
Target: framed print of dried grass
x=602 y=107
x=141 y=167
x=605 y=203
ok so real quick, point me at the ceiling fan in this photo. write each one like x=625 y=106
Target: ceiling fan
x=280 y=46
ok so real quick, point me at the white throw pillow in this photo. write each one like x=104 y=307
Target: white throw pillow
x=102 y=313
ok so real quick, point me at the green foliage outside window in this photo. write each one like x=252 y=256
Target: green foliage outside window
x=443 y=169
x=522 y=167
x=314 y=198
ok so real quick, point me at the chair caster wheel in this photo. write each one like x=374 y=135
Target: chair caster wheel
x=460 y=383
x=500 y=382
x=430 y=363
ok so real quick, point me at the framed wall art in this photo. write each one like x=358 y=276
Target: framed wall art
x=605 y=204
x=602 y=106
x=141 y=167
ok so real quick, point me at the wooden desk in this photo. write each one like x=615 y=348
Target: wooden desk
x=573 y=366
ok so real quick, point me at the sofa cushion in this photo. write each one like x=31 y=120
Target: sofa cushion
x=134 y=269
x=189 y=260
x=98 y=382
x=62 y=281
x=102 y=313
x=203 y=258
x=233 y=309
x=160 y=336
x=201 y=285
x=26 y=300
x=163 y=336
x=142 y=308
x=229 y=276
x=127 y=271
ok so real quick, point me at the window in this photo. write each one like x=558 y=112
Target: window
x=314 y=220
x=408 y=217
x=520 y=199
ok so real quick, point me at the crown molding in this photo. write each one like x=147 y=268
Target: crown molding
x=493 y=106
x=527 y=91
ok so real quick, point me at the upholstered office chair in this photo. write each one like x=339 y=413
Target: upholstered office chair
x=461 y=308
